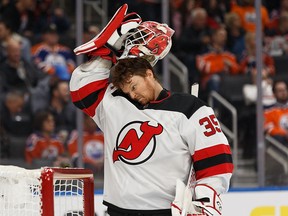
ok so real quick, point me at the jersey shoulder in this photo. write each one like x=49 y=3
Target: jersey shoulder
x=180 y=102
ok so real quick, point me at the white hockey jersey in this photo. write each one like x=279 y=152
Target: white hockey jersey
x=148 y=148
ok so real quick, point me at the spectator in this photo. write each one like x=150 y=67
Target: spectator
x=54 y=95
x=250 y=91
x=215 y=13
x=247 y=119
x=62 y=109
x=20 y=14
x=93 y=145
x=43 y=143
x=216 y=61
x=248 y=60
x=247 y=14
x=52 y=57
x=6 y=34
x=14 y=118
x=42 y=17
x=276 y=118
x=277 y=11
x=248 y=67
x=60 y=20
x=276 y=39
x=16 y=72
x=193 y=41
x=46 y=15
x=180 y=12
x=235 y=34
x=196 y=35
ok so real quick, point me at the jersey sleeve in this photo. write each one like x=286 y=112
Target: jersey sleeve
x=209 y=148
x=88 y=84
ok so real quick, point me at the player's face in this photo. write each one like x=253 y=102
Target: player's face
x=141 y=89
x=281 y=92
x=63 y=91
x=49 y=124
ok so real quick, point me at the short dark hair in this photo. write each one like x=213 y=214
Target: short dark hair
x=40 y=118
x=276 y=82
x=128 y=67
x=55 y=85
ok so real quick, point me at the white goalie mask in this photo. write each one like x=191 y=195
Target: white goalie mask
x=149 y=38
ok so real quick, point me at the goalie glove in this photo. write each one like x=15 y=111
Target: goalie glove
x=183 y=204
x=207 y=201
x=114 y=33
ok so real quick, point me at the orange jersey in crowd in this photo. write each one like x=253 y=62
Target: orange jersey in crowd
x=39 y=147
x=93 y=146
x=268 y=64
x=247 y=16
x=213 y=63
x=276 y=121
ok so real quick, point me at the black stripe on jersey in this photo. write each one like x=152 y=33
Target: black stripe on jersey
x=212 y=161
x=88 y=101
x=179 y=102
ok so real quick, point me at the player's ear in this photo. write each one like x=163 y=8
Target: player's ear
x=149 y=73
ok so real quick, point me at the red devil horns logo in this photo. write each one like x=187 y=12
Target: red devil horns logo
x=133 y=149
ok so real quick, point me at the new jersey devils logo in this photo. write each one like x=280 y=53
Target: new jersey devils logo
x=136 y=142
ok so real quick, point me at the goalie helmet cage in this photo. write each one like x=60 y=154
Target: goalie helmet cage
x=46 y=191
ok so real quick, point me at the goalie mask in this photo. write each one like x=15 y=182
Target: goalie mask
x=150 y=38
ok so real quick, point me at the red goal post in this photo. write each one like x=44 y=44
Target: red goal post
x=46 y=191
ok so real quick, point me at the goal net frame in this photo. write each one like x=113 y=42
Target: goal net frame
x=47 y=185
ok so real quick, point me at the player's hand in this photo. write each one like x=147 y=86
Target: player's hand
x=114 y=33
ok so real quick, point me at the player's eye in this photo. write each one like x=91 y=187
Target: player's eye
x=133 y=88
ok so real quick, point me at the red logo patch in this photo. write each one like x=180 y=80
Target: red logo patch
x=136 y=142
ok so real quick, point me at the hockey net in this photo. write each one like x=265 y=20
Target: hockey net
x=46 y=192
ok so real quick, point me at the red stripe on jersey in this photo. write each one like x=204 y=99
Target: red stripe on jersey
x=211 y=151
x=215 y=170
x=88 y=89
x=91 y=110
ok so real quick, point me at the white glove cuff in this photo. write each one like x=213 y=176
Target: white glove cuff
x=208 y=199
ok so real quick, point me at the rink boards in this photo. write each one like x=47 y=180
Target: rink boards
x=240 y=202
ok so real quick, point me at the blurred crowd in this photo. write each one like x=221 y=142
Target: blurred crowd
x=213 y=38
x=36 y=62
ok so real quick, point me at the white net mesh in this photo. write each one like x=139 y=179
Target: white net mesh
x=20 y=193
x=73 y=203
